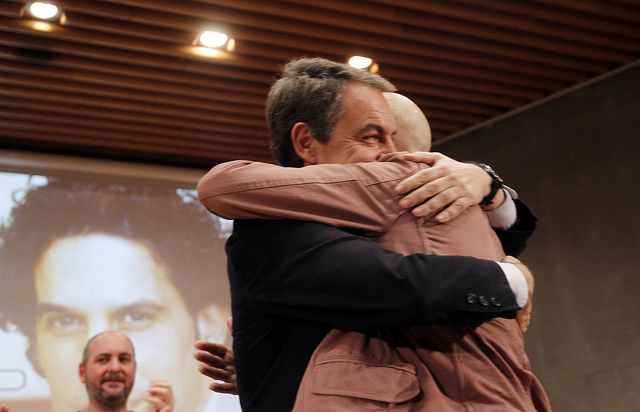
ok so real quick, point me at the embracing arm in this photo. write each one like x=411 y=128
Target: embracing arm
x=319 y=273
x=358 y=196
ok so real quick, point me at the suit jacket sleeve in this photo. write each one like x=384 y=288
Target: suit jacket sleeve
x=514 y=239
x=315 y=272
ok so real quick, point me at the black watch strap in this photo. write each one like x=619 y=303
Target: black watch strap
x=496 y=184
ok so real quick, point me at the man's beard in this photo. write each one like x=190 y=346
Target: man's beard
x=105 y=398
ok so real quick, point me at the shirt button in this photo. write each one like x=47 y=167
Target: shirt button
x=471 y=298
x=495 y=302
x=483 y=301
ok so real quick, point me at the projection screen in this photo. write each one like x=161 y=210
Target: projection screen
x=89 y=246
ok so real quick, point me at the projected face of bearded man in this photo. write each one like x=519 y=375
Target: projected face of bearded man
x=127 y=289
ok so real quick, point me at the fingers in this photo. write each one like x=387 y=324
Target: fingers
x=226 y=374
x=524 y=316
x=213 y=348
x=214 y=355
x=512 y=260
x=160 y=385
x=445 y=205
x=160 y=397
x=419 y=179
x=229 y=388
x=444 y=196
x=424 y=184
x=222 y=373
x=453 y=210
x=217 y=362
x=160 y=389
x=210 y=360
x=424 y=157
x=424 y=176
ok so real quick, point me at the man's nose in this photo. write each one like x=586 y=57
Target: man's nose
x=115 y=364
x=388 y=146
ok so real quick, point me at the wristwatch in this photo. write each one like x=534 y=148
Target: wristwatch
x=496 y=184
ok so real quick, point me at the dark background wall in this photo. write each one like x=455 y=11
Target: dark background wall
x=575 y=160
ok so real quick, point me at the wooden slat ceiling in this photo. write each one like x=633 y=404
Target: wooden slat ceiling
x=120 y=80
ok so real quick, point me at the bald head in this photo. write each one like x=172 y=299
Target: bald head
x=413 y=130
x=108 y=371
x=119 y=335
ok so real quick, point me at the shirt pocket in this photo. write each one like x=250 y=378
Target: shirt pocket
x=380 y=380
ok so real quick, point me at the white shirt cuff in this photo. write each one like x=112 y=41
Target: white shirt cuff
x=505 y=215
x=517 y=282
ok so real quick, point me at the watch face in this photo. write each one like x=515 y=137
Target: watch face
x=490 y=170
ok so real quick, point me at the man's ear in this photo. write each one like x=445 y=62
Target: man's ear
x=81 y=372
x=304 y=143
x=212 y=324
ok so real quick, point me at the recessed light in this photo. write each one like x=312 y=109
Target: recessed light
x=213 y=39
x=43 y=10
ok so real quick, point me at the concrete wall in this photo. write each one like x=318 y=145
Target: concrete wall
x=575 y=160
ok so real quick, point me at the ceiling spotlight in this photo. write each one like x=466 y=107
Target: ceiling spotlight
x=43 y=15
x=213 y=44
x=213 y=39
x=360 y=62
x=43 y=10
x=216 y=40
x=364 y=63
